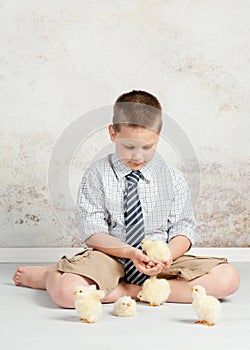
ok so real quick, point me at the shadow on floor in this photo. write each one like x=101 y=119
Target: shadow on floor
x=42 y=298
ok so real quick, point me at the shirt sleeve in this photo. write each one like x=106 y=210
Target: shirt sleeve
x=90 y=211
x=181 y=220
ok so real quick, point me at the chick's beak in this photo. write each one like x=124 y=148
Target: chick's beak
x=128 y=304
x=74 y=293
x=192 y=289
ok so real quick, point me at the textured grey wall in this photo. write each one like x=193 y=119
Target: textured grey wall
x=61 y=59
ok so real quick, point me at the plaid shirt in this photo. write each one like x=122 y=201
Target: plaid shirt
x=164 y=195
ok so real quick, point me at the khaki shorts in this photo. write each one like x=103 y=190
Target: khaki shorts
x=106 y=271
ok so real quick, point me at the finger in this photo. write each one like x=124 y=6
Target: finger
x=141 y=256
x=157 y=263
x=154 y=270
x=148 y=270
x=167 y=265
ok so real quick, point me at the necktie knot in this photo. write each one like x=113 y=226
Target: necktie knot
x=134 y=177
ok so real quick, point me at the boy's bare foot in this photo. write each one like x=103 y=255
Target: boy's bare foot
x=121 y=290
x=32 y=276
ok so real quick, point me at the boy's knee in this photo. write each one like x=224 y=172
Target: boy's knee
x=230 y=279
x=63 y=297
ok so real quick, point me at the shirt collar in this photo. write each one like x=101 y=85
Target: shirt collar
x=122 y=170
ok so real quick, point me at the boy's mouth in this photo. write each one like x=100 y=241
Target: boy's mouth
x=136 y=164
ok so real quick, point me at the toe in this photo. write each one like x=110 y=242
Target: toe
x=15 y=279
x=16 y=276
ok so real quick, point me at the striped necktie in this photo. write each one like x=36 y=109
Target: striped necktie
x=134 y=224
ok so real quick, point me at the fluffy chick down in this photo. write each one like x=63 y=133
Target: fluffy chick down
x=207 y=307
x=125 y=307
x=88 y=304
x=155 y=291
x=156 y=250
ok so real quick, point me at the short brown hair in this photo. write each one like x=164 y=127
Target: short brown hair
x=137 y=109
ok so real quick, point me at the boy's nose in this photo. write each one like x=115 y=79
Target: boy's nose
x=137 y=156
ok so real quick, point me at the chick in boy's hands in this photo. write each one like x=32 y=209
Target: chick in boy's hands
x=159 y=254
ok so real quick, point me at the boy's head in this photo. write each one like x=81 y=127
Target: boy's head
x=137 y=109
x=137 y=123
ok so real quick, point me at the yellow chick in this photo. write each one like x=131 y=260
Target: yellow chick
x=125 y=306
x=87 y=303
x=156 y=250
x=207 y=307
x=155 y=291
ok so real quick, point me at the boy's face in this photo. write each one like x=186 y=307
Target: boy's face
x=135 y=147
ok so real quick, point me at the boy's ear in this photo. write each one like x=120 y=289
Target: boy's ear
x=112 y=133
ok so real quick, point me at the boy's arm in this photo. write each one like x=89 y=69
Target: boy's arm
x=112 y=246
x=181 y=219
x=179 y=245
x=109 y=245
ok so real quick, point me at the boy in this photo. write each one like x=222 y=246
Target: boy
x=129 y=195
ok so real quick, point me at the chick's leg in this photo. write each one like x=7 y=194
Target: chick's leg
x=204 y=322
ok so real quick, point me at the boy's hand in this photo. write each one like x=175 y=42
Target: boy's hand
x=146 y=266
x=139 y=259
x=164 y=265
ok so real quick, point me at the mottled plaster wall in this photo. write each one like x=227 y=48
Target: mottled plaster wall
x=61 y=59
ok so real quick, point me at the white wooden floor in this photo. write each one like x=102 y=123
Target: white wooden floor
x=29 y=320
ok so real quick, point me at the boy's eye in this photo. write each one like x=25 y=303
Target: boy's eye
x=147 y=147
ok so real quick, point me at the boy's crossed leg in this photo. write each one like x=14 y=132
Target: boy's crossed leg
x=220 y=281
